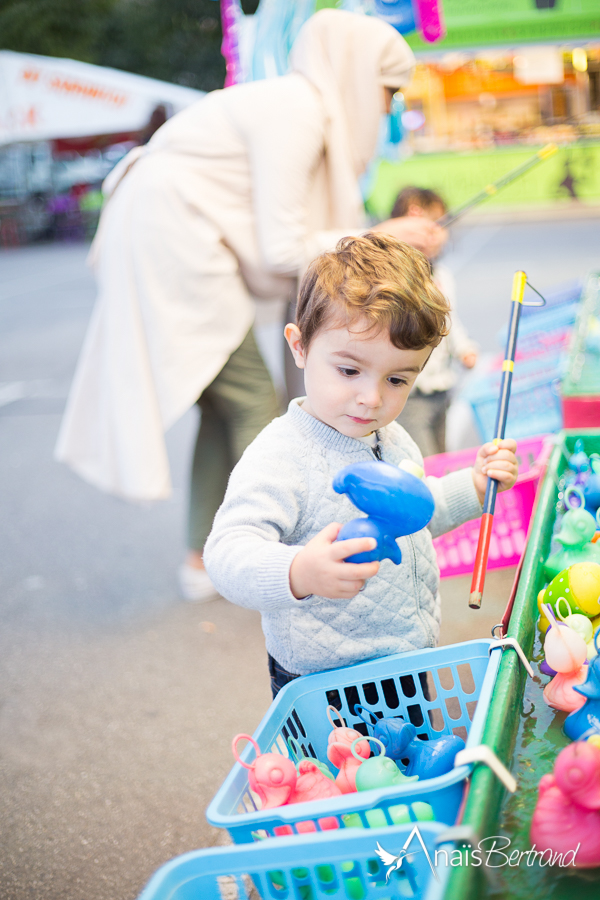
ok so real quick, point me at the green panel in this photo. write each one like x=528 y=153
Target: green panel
x=583 y=367
x=472 y=23
x=486 y=794
x=458 y=176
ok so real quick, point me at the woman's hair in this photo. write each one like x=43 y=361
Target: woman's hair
x=376 y=278
x=416 y=196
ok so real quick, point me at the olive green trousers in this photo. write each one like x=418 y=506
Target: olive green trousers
x=235 y=407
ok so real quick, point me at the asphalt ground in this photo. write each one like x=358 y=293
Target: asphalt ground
x=118 y=701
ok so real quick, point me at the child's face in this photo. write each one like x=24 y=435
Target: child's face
x=433 y=212
x=356 y=380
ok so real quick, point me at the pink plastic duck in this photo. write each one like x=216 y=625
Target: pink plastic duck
x=566 y=652
x=272 y=776
x=340 y=754
x=567 y=813
x=312 y=784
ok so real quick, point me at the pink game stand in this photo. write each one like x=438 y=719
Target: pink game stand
x=456 y=550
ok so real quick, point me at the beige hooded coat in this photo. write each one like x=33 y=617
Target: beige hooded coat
x=230 y=200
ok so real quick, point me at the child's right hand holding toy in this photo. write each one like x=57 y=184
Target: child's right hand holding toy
x=319 y=568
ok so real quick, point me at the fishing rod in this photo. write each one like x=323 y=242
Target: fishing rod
x=489 y=504
x=491 y=189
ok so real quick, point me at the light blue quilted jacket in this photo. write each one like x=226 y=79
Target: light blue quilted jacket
x=280 y=495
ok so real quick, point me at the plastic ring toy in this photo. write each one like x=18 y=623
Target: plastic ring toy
x=295 y=749
x=359 y=710
x=358 y=739
x=573 y=489
x=557 y=608
x=234 y=743
x=337 y=713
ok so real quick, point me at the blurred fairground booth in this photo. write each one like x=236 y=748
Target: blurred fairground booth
x=495 y=83
x=63 y=126
x=505 y=80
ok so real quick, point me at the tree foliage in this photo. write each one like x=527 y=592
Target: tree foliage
x=174 y=40
x=53 y=27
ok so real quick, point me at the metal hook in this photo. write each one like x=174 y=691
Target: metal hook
x=543 y=303
x=575 y=490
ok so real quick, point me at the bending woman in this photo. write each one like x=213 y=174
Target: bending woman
x=230 y=200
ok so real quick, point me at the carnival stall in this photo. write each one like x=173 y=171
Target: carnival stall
x=63 y=126
x=466 y=771
x=388 y=778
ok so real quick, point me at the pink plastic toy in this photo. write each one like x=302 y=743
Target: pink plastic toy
x=312 y=784
x=340 y=754
x=272 y=776
x=567 y=813
x=566 y=652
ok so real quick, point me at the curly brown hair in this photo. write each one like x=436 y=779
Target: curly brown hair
x=416 y=196
x=377 y=278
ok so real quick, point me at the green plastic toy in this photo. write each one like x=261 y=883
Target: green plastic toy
x=378 y=771
x=578 y=527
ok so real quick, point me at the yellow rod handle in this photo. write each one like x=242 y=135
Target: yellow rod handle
x=548 y=150
x=518 y=287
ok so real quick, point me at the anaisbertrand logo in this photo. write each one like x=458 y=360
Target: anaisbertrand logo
x=395 y=862
x=494 y=851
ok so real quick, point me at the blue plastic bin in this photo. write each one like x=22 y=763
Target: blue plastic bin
x=561 y=296
x=441 y=691
x=333 y=866
x=535 y=403
x=544 y=319
x=535 y=406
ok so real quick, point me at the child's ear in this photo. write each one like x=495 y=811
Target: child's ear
x=294 y=339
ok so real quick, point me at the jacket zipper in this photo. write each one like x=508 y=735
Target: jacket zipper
x=377 y=449
x=413 y=561
x=377 y=453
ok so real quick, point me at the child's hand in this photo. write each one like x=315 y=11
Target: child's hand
x=498 y=462
x=469 y=359
x=419 y=232
x=319 y=568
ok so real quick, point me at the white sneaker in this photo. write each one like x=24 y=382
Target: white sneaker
x=195 y=585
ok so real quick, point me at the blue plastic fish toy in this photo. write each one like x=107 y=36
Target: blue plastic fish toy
x=427 y=759
x=591 y=489
x=587 y=718
x=396 y=501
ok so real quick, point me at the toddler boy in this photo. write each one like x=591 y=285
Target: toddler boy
x=368 y=317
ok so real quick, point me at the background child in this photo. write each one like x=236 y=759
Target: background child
x=368 y=316
x=424 y=415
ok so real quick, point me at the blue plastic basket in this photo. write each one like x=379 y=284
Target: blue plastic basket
x=441 y=691
x=330 y=866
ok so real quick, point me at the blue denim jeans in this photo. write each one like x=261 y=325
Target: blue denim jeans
x=279 y=676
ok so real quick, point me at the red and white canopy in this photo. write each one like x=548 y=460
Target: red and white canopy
x=42 y=98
